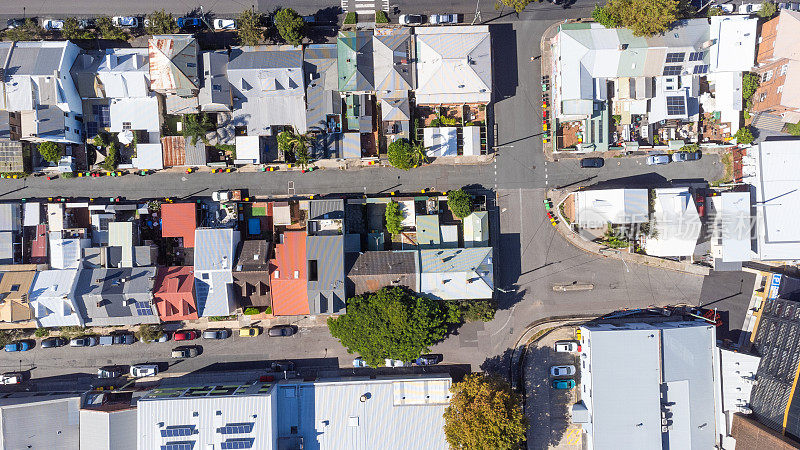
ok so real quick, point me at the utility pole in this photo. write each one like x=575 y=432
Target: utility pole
x=477 y=17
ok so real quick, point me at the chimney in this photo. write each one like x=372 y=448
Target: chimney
x=111 y=60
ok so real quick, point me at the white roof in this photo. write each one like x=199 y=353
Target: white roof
x=149 y=157
x=440 y=141
x=55 y=217
x=596 y=208
x=677 y=224
x=66 y=253
x=409 y=213
x=31 y=214
x=40 y=422
x=125 y=72
x=52 y=299
x=214 y=252
x=248 y=148
x=735 y=48
x=777 y=185
x=727 y=96
x=472 y=141
x=732 y=225
x=454 y=65
x=140 y=112
x=457 y=273
x=108 y=430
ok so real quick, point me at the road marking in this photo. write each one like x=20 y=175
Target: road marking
x=572 y=437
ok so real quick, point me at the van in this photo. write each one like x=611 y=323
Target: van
x=106 y=340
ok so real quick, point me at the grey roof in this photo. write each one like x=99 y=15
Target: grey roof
x=108 y=430
x=243 y=58
x=393 y=62
x=11 y=157
x=351 y=145
x=370 y=271
x=106 y=297
x=49 y=121
x=674 y=370
x=39 y=422
x=216 y=89
x=214 y=252
x=355 y=67
x=34 y=58
x=322 y=96
x=6 y=247
x=252 y=255
x=10 y=217
x=326 y=294
x=326 y=209
x=395 y=109
x=195 y=154
x=5 y=127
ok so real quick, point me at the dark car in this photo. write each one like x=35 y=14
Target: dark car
x=185 y=351
x=110 y=371
x=281 y=330
x=123 y=338
x=190 y=23
x=15 y=23
x=282 y=366
x=592 y=162
x=184 y=335
x=428 y=360
x=53 y=342
x=216 y=333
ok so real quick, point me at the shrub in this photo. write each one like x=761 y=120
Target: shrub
x=29 y=31
x=750 y=83
x=768 y=9
x=380 y=17
x=482 y=310
x=110 y=163
x=602 y=16
x=251 y=311
x=290 y=26
x=72 y=31
x=460 y=203
x=68 y=175
x=351 y=18
x=41 y=332
x=394 y=218
x=109 y=31
x=793 y=129
x=249 y=27
x=744 y=136
x=161 y=22
x=400 y=154
x=50 y=151
x=690 y=148
x=149 y=332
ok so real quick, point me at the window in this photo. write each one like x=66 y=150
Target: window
x=204 y=276
x=14 y=288
x=126 y=125
x=178 y=430
x=191 y=64
x=762 y=97
x=675 y=57
x=216 y=87
x=144 y=309
x=66 y=114
x=91 y=129
x=66 y=128
x=780 y=89
x=767 y=76
x=102 y=115
x=672 y=70
x=701 y=69
x=696 y=56
x=784 y=68
x=236 y=428
x=237 y=443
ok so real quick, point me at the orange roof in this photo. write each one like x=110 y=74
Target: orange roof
x=288 y=277
x=174 y=150
x=174 y=293
x=179 y=220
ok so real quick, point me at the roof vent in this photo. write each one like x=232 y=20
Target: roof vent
x=352 y=421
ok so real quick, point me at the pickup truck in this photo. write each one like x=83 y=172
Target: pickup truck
x=227 y=196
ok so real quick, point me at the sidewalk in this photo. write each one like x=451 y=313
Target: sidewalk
x=592 y=247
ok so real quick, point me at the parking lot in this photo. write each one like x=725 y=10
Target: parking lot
x=548 y=409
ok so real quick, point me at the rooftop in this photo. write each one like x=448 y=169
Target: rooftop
x=677 y=224
x=179 y=220
x=173 y=63
x=594 y=208
x=173 y=293
x=288 y=278
x=457 y=273
x=777 y=184
x=370 y=271
x=107 y=297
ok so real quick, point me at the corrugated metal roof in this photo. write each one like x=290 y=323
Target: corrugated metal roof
x=10 y=217
x=174 y=150
x=476 y=229
x=173 y=62
x=213 y=262
x=108 y=430
x=107 y=297
x=288 y=279
x=52 y=298
x=454 y=65
x=457 y=274
x=179 y=220
x=326 y=294
x=36 y=423
x=174 y=293
x=370 y=271
x=326 y=209
x=428 y=233
x=356 y=72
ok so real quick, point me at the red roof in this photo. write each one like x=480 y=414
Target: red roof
x=179 y=220
x=173 y=148
x=288 y=278
x=174 y=293
x=39 y=247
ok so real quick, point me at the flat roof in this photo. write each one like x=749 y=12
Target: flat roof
x=595 y=208
x=777 y=186
x=677 y=224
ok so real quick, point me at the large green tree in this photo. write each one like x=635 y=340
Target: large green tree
x=161 y=22
x=392 y=323
x=290 y=26
x=29 y=31
x=72 y=30
x=394 y=218
x=195 y=126
x=459 y=202
x=109 y=31
x=516 y=5
x=249 y=27
x=400 y=154
x=50 y=151
x=484 y=414
x=643 y=17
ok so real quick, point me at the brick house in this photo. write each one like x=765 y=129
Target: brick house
x=778 y=65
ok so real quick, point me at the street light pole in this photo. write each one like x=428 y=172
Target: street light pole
x=477 y=17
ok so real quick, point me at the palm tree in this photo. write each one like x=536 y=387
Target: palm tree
x=418 y=154
x=299 y=143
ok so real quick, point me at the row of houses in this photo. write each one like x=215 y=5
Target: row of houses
x=91 y=264
x=354 y=96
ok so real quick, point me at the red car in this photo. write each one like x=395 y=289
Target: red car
x=184 y=335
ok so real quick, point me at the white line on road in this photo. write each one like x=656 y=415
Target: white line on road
x=510 y=315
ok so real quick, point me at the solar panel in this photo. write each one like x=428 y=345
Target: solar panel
x=176 y=431
x=676 y=106
x=178 y=445
x=102 y=115
x=672 y=70
x=144 y=309
x=696 y=56
x=91 y=129
x=237 y=443
x=236 y=428
x=699 y=69
x=675 y=57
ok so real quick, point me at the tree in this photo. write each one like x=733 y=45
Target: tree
x=391 y=323
x=643 y=17
x=195 y=126
x=161 y=22
x=400 y=154
x=394 y=218
x=516 y=5
x=744 y=136
x=750 y=82
x=484 y=413
x=299 y=143
x=793 y=129
x=460 y=203
x=72 y=31
x=110 y=163
x=149 y=333
x=41 y=332
x=249 y=27
x=768 y=9
x=482 y=310
x=29 y=31
x=50 y=151
x=109 y=31
x=603 y=16
x=715 y=11
x=290 y=26
x=284 y=142
x=419 y=154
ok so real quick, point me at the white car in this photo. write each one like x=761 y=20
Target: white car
x=224 y=24
x=655 y=160
x=441 y=19
x=562 y=371
x=567 y=347
x=411 y=19
x=395 y=363
x=727 y=7
x=749 y=8
x=144 y=370
x=11 y=378
x=359 y=362
x=52 y=24
x=125 y=21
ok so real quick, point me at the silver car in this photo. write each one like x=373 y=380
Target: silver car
x=144 y=370
x=655 y=160
x=562 y=371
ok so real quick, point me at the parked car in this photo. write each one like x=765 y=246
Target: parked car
x=224 y=24
x=143 y=370
x=592 y=162
x=106 y=340
x=359 y=362
x=18 y=346
x=749 y=8
x=562 y=371
x=700 y=201
x=216 y=333
x=83 y=341
x=428 y=360
x=685 y=156
x=281 y=366
x=12 y=378
x=163 y=337
x=53 y=342
x=190 y=23
x=311 y=20
x=52 y=24
x=727 y=7
x=249 y=331
x=281 y=330
x=184 y=335
x=441 y=19
x=563 y=384
x=395 y=363
x=110 y=371
x=567 y=347
x=125 y=21
x=654 y=160
x=86 y=23
x=123 y=338
x=411 y=19
x=187 y=351
x=15 y=23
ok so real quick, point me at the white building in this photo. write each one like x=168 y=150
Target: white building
x=52 y=298
x=730 y=224
x=46 y=422
x=738 y=375
x=676 y=224
x=214 y=252
x=597 y=208
x=650 y=386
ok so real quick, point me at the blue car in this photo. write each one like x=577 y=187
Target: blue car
x=18 y=346
x=563 y=384
x=190 y=23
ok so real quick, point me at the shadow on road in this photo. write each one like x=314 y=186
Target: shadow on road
x=504 y=56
